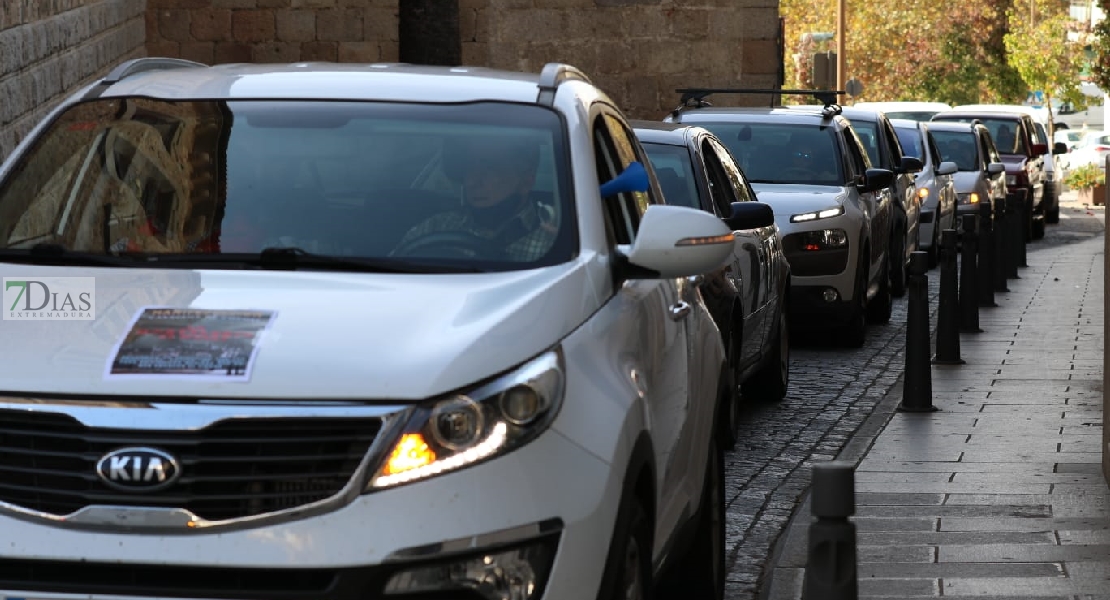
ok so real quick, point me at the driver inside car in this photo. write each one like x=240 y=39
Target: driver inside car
x=497 y=219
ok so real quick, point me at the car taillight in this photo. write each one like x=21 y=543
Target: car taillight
x=1102 y=148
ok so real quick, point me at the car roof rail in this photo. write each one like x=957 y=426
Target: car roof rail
x=144 y=64
x=696 y=97
x=554 y=74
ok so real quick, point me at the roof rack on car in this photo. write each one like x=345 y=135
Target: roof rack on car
x=149 y=63
x=554 y=74
x=695 y=97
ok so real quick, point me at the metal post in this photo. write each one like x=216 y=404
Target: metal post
x=1001 y=245
x=1025 y=217
x=917 y=385
x=986 y=255
x=831 y=562
x=969 y=277
x=948 y=313
x=1015 y=237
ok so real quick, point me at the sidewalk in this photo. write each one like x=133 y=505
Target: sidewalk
x=1000 y=493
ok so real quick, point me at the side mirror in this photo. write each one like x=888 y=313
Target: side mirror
x=876 y=179
x=677 y=241
x=1040 y=149
x=996 y=168
x=1059 y=148
x=632 y=179
x=750 y=215
x=947 y=168
x=912 y=164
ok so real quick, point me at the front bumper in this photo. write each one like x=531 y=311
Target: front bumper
x=809 y=307
x=567 y=507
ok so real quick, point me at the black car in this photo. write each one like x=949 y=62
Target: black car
x=885 y=150
x=746 y=297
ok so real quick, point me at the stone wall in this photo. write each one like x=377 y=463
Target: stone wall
x=637 y=50
x=50 y=48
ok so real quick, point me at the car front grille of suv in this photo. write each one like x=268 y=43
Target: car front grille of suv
x=234 y=468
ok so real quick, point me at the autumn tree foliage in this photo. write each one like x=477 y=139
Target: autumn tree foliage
x=940 y=51
x=1100 y=46
x=1039 y=49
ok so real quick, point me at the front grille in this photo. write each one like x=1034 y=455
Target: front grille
x=235 y=468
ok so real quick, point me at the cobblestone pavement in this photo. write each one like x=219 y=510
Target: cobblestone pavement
x=832 y=392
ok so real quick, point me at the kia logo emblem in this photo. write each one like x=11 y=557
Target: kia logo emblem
x=138 y=469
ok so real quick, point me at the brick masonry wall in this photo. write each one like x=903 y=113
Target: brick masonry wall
x=50 y=49
x=637 y=50
x=262 y=31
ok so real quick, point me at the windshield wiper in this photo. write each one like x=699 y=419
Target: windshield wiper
x=292 y=258
x=57 y=254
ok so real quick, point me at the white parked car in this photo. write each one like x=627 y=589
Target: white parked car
x=911 y=110
x=326 y=331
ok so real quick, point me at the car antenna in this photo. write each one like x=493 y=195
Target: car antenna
x=696 y=97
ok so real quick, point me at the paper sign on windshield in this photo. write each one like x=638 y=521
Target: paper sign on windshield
x=190 y=344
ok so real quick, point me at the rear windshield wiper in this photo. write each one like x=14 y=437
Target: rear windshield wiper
x=57 y=254
x=292 y=258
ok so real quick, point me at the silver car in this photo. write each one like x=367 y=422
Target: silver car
x=982 y=175
x=935 y=184
x=831 y=205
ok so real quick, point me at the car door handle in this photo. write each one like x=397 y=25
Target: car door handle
x=679 y=310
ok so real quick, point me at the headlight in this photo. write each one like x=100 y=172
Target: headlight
x=824 y=239
x=474 y=425
x=923 y=193
x=972 y=198
x=828 y=213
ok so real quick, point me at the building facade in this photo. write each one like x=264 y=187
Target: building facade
x=639 y=51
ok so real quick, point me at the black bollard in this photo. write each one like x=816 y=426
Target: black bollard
x=917 y=384
x=1001 y=245
x=969 y=277
x=986 y=255
x=948 y=312
x=1015 y=237
x=831 y=561
x=1025 y=217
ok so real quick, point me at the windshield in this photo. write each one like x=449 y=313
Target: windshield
x=675 y=173
x=783 y=152
x=911 y=141
x=1003 y=131
x=958 y=147
x=483 y=184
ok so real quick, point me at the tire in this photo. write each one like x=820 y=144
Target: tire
x=700 y=573
x=628 y=566
x=881 y=306
x=898 y=274
x=855 y=332
x=728 y=420
x=773 y=378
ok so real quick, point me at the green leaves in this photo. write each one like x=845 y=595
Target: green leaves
x=959 y=52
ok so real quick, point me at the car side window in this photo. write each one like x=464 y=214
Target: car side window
x=893 y=143
x=741 y=187
x=619 y=223
x=934 y=151
x=628 y=152
x=858 y=161
x=720 y=184
x=991 y=154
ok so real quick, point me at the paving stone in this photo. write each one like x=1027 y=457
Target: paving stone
x=957 y=488
x=954 y=538
x=1008 y=586
x=953 y=510
x=946 y=570
x=1022 y=553
x=1021 y=524
x=873 y=524
x=907 y=587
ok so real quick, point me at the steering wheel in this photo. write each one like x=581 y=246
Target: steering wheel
x=797 y=173
x=449 y=244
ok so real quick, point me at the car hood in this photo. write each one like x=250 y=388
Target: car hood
x=1014 y=162
x=965 y=181
x=792 y=199
x=333 y=335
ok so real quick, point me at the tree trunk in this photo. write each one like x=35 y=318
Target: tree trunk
x=428 y=31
